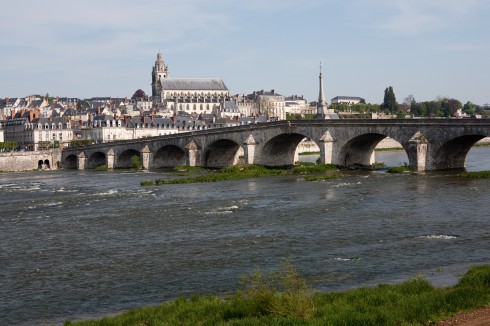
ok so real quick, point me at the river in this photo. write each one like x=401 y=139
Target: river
x=83 y=244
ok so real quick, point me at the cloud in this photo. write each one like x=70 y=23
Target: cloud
x=413 y=17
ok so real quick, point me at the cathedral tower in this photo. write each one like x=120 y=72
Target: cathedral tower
x=160 y=70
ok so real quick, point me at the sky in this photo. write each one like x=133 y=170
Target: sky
x=424 y=48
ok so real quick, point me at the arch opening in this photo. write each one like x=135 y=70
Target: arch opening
x=47 y=165
x=221 y=153
x=281 y=150
x=71 y=162
x=169 y=156
x=452 y=154
x=96 y=159
x=40 y=164
x=361 y=151
x=124 y=160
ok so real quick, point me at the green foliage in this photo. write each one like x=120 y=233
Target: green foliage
x=389 y=101
x=238 y=172
x=102 y=167
x=146 y=183
x=8 y=146
x=136 y=162
x=43 y=145
x=282 y=293
x=400 y=169
x=80 y=143
x=284 y=298
x=476 y=175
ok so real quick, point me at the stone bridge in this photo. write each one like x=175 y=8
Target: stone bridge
x=430 y=144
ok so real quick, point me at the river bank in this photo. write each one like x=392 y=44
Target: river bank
x=284 y=297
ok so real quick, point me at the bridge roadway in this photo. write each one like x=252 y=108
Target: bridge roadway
x=430 y=144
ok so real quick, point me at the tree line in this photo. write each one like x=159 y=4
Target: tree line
x=440 y=107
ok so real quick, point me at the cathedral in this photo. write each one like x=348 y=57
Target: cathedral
x=190 y=95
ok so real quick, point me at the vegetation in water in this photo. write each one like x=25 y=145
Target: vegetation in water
x=238 y=172
x=102 y=167
x=400 y=169
x=476 y=175
x=136 y=162
x=285 y=298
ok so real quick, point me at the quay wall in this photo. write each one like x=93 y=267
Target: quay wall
x=28 y=161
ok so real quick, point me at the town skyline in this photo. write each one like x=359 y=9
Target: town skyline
x=421 y=48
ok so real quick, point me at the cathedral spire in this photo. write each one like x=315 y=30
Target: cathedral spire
x=321 y=105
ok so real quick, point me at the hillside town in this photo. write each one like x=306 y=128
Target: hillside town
x=176 y=105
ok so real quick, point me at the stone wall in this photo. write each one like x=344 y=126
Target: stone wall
x=28 y=161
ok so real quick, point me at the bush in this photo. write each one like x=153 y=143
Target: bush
x=283 y=293
x=136 y=162
x=102 y=167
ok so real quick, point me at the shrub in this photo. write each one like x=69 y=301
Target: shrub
x=283 y=293
x=136 y=162
x=102 y=167
x=146 y=183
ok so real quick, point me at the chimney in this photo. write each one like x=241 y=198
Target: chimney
x=6 y=101
x=31 y=116
x=12 y=114
x=98 y=110
x=36 y=113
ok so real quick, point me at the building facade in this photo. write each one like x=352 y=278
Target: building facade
x=189 y=95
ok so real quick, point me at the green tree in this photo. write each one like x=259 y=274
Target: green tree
x=469 y=108
x=389 y=101
x=136 y=162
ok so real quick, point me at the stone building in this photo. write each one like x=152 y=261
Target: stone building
x=190 y=95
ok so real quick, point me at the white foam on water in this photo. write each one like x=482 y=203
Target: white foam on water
x=438 y=237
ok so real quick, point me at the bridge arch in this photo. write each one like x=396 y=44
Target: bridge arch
x=360 y=149
x=280 y=150
x=452 y=154
x=220 y=153
x=124 y=159
x=96 y=159
x=169 y=156
x=71 y=162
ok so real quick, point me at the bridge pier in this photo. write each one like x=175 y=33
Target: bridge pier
x=191 y=154
x=249 y=149
x=110 y=159
x=146 y=157
x=81 y=159
x=326 y=148
x=418 y=152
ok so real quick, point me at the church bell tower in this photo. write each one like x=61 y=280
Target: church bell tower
x=160 y=70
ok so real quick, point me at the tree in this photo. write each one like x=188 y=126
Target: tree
x=389 y=102
x=138 y=93
x=469 y=108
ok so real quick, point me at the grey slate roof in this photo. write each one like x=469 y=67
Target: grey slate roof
x=193 y=84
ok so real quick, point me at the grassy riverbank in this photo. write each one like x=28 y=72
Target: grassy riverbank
x=284 y=298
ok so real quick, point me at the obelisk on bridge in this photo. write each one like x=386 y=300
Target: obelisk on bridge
x=321 y=105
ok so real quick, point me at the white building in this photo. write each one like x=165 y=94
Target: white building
x=350 y=100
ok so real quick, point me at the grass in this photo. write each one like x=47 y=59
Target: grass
x=238 y=172
x=476 y=175
x=285 y=298
x=400 y=169
x=102 y=168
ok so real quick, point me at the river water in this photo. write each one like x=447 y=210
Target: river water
x=83 y=244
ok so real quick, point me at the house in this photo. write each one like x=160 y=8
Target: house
x=350 y=100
